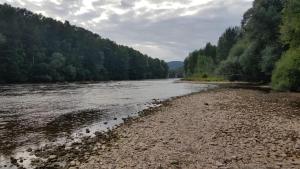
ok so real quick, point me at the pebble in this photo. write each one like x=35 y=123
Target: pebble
x=51 y=157
x=29 y=150
x=219 y=164
x=72 y=163
x=245 y=136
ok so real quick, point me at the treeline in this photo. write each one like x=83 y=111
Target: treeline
x=34 y=48
x=265 y=48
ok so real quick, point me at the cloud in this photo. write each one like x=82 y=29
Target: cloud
x=167 y=29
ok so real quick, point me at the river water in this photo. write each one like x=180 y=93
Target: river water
x=33 y=114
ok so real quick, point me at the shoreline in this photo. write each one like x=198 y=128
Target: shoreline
x=170 y=135
x=83 y=154
x=57 y=156
x=103 y=140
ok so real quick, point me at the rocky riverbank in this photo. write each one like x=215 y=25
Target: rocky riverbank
x=222 y=128
x=225 y=128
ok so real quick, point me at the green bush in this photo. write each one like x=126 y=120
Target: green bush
x=204 y=78
x=286 y=76
x=230 y=69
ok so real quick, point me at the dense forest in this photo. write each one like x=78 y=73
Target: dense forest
x=34 y=48
x=265 y=48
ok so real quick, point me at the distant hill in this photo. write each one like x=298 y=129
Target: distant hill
x=175 y=69
x=175 y=65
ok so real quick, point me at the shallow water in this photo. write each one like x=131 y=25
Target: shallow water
x=33 y=114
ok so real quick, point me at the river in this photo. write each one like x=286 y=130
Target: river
x=34 y=114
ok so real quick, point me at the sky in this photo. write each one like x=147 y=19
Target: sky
x=165 y=29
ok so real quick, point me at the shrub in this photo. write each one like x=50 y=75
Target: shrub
x=230 y=69
x=286 y=76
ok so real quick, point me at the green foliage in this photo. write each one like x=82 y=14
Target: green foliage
x=287 y=73
x=226 y=42
x=238 y=49
x=262 y=21
x=41 y=72
x=34 y=48
x=230 y=69
x=270 y=55
x=205 y=65
x=201 y=61
x=261 y=29
x=2 y=39
x=291 y=23
x=204 y=78
x=249 y=62
x=249 y=53
x=176 y=73
x=70 y=72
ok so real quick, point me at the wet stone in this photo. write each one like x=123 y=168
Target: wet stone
x=29 y=150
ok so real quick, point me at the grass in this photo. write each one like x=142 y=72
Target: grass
x=204 y=78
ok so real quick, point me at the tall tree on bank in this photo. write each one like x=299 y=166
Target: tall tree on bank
x=287 y=73
x=261 y=28
x=226 y=42
x=249 y=53
x=34 y=48
x=201 y=61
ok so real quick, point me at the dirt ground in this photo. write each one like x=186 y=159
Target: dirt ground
x=223 y=128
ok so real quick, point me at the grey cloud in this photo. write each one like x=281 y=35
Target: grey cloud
x=127 y=3
x=162 y=33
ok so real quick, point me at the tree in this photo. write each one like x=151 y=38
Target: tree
x=201 y=61
x=248 y=53
x=290 y=29
x=226 y=42
x=270 y=55
x=231 y=69
x=70 y=73
x=286 y=76
x=34 y=48
x=287 y=73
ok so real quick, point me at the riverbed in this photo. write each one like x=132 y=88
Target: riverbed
x=32 y=115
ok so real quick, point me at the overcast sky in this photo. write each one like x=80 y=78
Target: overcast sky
x=166 y=29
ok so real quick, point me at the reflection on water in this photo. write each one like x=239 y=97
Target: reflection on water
x=35 y=113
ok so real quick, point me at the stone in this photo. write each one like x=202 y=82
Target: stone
x=219 y=164
x=72 y=163
x=175 y=163
x=51 y=157
x=68 y=148
x=21 y=160
x=13 y=160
